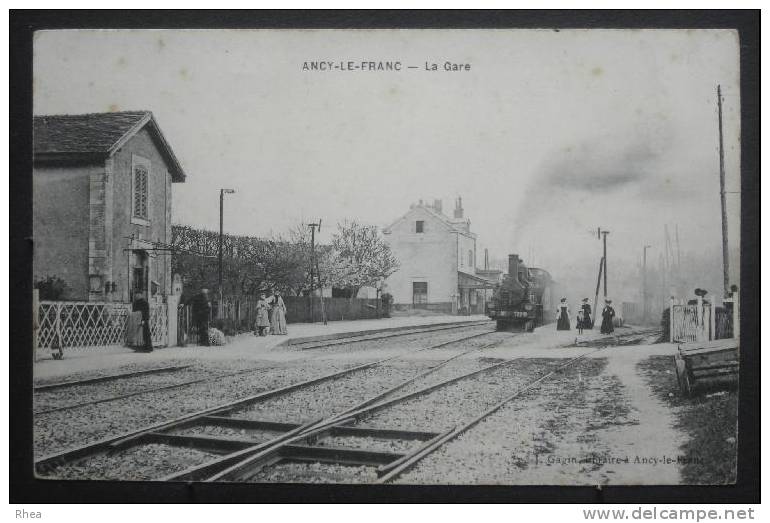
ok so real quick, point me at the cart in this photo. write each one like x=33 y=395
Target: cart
x=696 y=361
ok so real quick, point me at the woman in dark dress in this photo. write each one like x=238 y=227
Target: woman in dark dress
x=586 y=308
x=562 y=324
x=608 y=313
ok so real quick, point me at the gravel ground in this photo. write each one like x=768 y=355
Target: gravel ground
x=59 y=431
x=289 y=472
x=257 y=436
x=332 y=397
x=76 y=394
x=454 y=368
x=402 y=446
x=458 y=403
x=546 y=437
x=709 y=419
x=132 y=367
x=141 y=463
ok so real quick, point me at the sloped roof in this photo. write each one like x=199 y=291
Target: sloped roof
x=470 y=281
x=454 y=226
x=85 y=138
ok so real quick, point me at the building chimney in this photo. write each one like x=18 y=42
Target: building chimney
x=437 y=205
x=459 y=208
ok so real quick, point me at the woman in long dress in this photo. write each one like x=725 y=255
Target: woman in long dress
x=608 y=313
x=562 y=324
x=586 y=308
x=278 y=320
x=263 y=320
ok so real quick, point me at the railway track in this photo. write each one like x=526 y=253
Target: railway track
x=109 y=377
x=301 y=444
x=375 y=335
x=161 y=431
x=52 y=388
x=260 y=446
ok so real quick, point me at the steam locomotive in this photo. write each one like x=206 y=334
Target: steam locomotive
x=524 y=300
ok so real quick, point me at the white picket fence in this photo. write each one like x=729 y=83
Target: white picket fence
x=698 y=322
x=92 y=324
x=691 y=322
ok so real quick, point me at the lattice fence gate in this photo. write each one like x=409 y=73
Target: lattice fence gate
x=92 y=324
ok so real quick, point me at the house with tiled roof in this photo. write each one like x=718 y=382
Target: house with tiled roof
x=437 y=256
x=102 y=204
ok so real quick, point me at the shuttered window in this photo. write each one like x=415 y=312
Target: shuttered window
x=141 y=169
x=140 y=191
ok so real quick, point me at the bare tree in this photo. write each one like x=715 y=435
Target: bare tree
x=360 y=257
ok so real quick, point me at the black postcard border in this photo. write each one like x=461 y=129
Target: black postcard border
x=24 y=488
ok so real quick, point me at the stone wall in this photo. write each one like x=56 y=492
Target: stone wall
x=62 y=221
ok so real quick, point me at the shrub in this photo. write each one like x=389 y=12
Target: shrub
x=51 y=288
x=217 y=337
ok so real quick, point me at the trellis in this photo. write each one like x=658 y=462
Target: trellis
x=93 y=324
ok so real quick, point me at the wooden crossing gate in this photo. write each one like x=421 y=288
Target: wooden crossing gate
x=93 y=324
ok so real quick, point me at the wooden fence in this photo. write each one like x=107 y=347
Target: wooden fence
x=239 y=313
x=300 y=309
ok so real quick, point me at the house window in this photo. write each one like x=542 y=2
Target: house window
x=470 y=259
x=419 y=226
x=140 y=190
x=419 y=293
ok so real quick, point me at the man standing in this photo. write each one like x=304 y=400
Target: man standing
x=201 y=310
x=141 y=305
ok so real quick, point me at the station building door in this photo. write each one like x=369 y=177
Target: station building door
x=420 y=294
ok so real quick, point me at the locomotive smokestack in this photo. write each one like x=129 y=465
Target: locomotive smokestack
x=513 y=266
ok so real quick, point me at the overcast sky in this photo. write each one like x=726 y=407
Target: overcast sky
x=548 y=136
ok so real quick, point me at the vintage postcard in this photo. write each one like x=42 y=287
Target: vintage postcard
x=452 y=256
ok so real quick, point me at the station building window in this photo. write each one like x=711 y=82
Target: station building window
x=419 y=226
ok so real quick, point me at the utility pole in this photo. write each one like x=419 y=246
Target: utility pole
x=725 y=256
x=603 y=235
x=644 y=284
x=221 y=237
x=313 y=227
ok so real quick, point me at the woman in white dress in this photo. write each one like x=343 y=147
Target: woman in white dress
x=562 y=324
x=278 y=319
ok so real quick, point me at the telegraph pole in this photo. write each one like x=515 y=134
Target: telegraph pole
x=603 y=235
x=221 y=236
x=313 y=227
x=725 y=256
x=644 y=284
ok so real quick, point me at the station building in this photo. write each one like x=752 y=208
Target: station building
x=102 y=204
x=438 y=261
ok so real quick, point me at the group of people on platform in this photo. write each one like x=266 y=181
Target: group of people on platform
x=271 y=315
x=584 y=319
